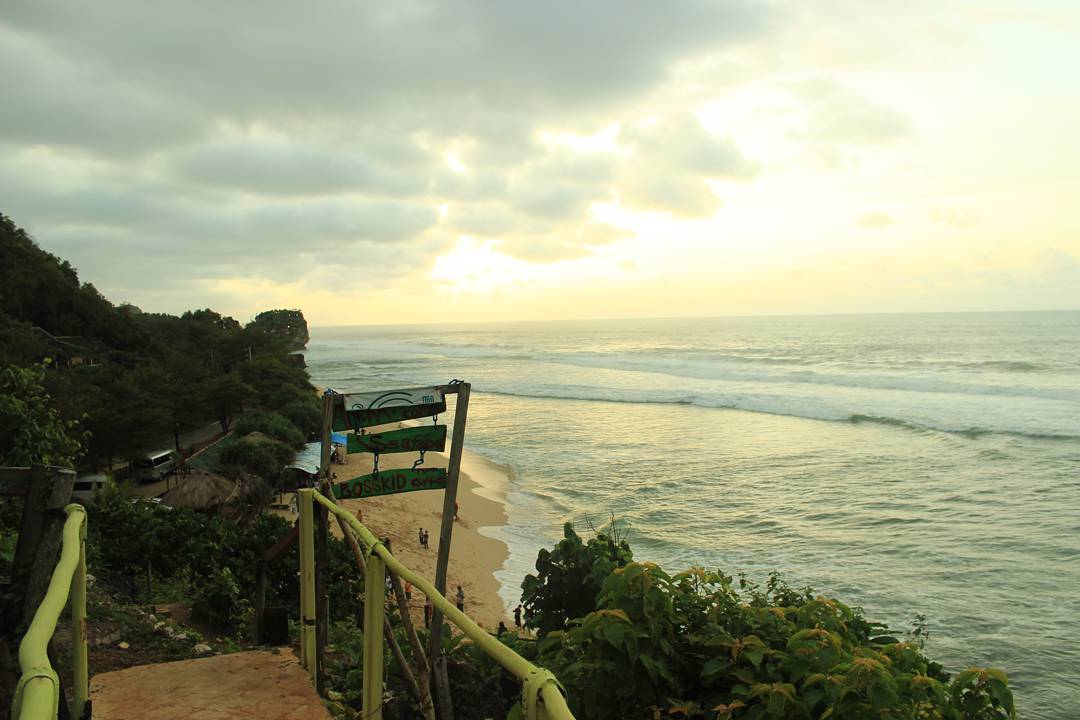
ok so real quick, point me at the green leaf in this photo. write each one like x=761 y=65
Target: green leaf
x=615 y=633
x=754 y=655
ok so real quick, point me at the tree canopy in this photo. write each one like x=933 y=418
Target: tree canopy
x=144 y=378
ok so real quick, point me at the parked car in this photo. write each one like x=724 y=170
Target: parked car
x=153 y=466
x=86 y=485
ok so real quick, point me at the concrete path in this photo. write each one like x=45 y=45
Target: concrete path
x=249 y=685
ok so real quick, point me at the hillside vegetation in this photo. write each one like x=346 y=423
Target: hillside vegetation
x=134 y=381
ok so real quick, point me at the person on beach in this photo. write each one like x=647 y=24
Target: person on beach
x=460 y=598
x=517 y=616
x=429 y=610
x=421 y=537
x=427 y=539
x=408 y=591
x=502 y=628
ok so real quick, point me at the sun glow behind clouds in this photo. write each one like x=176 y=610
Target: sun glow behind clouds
x=476 y=266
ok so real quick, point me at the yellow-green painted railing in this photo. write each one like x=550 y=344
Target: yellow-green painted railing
x=37 y=696
x=541 y=697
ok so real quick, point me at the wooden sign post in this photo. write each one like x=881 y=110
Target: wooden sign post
x=453 y=469
x=358 y=411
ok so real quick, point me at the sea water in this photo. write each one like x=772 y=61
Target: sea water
x=905 y=463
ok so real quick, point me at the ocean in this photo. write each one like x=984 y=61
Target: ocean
x=922 y=463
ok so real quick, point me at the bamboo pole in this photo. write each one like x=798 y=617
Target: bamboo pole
x=79 y=650
x=322 y=554
x=307 y=582
x=37 y=694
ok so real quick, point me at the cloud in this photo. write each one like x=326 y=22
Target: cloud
x=255 y=136
x=839 y=120
x=56 y=100
x=284 y=167
x=671 y=162
x=876 y=220
x=954 y=217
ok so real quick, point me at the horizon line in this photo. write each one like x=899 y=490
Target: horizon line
x=699 y=317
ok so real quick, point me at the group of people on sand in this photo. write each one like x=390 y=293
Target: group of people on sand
x=423 y=535
x=429 y=609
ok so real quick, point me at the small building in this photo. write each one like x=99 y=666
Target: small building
x=73 y=350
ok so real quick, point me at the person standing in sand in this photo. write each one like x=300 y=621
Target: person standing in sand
x=517 y=616
x=421 y=536
x=460 y=597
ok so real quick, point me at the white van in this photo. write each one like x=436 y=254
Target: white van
x=86 y=485
x=152 y=467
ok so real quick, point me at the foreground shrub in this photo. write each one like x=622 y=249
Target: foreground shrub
x=218 y=600
x=569 y=578
x=186 y=548
x=693 y=645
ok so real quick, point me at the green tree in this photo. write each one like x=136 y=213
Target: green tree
x=226 y=396
x=31 y=429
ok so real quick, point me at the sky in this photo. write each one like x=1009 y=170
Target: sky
x=429 y=160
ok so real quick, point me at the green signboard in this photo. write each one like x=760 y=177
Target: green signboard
x=424 y=437
x=359 y=410
x=391 y=482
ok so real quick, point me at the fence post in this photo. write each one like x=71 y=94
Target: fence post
x=374 y=610
x=307 y=582
x=80 y=671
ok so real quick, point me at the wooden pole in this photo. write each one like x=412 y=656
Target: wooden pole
x=374 y=597
x=43 y=520
x=446 y=529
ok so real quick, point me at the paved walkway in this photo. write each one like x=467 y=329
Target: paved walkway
x=256 y=685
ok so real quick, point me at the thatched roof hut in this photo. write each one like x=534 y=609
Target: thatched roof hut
x=201 y=490
x=241 y=499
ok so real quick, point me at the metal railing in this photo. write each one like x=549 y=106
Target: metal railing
x=37 y=696
x=542 y=697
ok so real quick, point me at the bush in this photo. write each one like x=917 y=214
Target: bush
x=271 y=423
x=570 y=577
x=697 y=647
x=263 y=457
x=188 y=546
x=218 y=600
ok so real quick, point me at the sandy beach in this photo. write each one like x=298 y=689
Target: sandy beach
x=474 y=557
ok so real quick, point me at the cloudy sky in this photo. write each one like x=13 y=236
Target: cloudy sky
x=374 y=162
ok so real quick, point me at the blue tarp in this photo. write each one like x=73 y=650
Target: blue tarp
x=308 y=459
